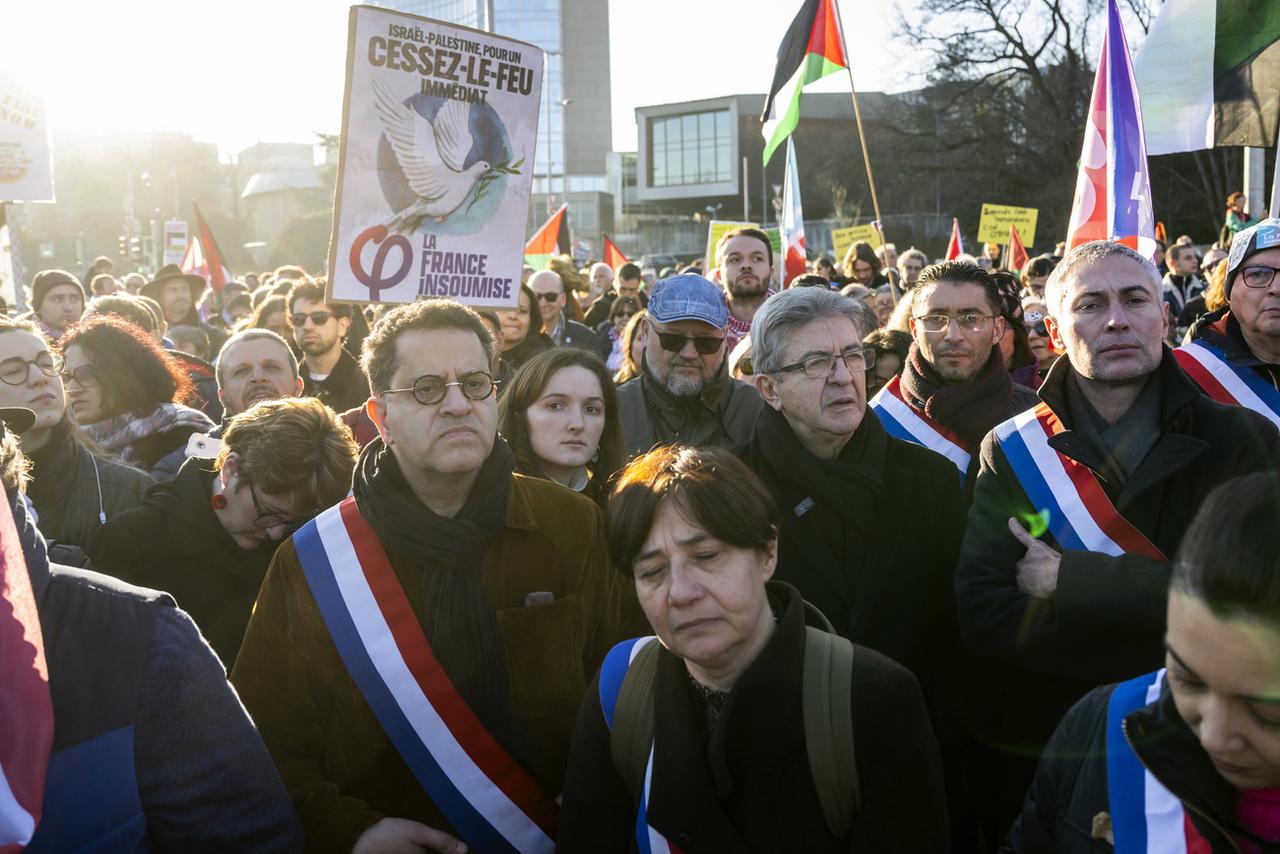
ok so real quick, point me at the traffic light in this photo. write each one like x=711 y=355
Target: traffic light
x=135 y=248
x=124 y=245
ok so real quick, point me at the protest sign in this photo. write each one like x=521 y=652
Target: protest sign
x=175 y=240
x=993 y=227
x=843 y=238
x=439 y=125
x=26 y=168
x=719 y=228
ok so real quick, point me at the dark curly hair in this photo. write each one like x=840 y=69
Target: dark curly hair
x=134 y=372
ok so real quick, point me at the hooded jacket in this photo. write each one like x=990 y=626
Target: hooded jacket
x=175 y=543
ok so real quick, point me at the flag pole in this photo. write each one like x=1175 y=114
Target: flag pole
x=866 y=154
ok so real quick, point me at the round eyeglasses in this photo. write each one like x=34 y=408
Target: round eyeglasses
x=429 y=390
x=14 y=371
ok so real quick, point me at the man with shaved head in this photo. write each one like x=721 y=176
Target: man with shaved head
x=1079 y=505
x=549 y=293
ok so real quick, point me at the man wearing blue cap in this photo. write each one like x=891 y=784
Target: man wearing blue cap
x=1234 y=353
x=684 y=393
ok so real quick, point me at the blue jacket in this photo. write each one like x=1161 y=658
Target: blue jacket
x=151 y=748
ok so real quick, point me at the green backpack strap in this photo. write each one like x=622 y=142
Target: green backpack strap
x=631 y=738
x=828 y=726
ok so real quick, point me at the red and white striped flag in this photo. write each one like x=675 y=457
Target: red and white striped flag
x=26 y=710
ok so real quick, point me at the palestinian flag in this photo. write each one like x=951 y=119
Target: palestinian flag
x=1209 y=75
x=203 y=257
x=812 y=48
x=612 y=254
x=552 y=239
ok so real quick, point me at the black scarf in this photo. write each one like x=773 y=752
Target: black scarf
x=457 y=618
x=971 y=409
x=827 y=508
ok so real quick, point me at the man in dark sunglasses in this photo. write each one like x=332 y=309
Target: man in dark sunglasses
x=328 y=371
x=684 y=393
x=549 y=294
x=1234 y=353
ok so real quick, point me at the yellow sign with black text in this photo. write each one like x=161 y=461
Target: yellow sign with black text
x=993 y=227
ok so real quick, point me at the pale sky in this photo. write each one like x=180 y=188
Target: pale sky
x=238 y=71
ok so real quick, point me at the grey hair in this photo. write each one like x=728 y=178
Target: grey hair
x=253 y=334
x=784 y=313
x=1088 y=254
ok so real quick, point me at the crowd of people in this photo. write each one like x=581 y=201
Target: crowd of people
x=936 y=556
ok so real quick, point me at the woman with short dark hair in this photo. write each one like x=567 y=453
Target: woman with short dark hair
x=127 y=393
x=1186 y=758
x=715 y=726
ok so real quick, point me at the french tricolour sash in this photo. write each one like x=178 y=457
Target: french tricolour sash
x=1079 y=514
x=1145 y=816
x=1225 y=383
x=492 y=803
x=903 y=422
x=612 y=672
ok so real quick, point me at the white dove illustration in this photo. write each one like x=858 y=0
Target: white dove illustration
x=431 y=154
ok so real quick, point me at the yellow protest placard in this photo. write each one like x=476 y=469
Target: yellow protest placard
x=843 y=238
x=993 y=227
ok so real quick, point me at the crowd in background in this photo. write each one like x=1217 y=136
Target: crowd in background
x=759 y=473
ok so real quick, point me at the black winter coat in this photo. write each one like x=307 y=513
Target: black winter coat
x=72 y=489
x=1106 y=621
x=747 y=785
x=346 y=386
x=1068 y=807
x=889 y=586
x=175 y=543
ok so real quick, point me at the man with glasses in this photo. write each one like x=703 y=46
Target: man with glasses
x=953 y=388
x=73 y=490
x=548 y=291
x=843 y=486
x=417 y=655
x=1234 y=353
x=328 y=371
x=684 y=392
x=1079 y=504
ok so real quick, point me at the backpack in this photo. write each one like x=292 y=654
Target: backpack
x=827 y=710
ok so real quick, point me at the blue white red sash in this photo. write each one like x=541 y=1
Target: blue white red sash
x=612 y=672
x=903 y=422
x=1225 y=383
x=1079 y=514
x=1145 y=816
x=492 y=803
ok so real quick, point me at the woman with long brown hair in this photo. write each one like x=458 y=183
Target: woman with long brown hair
x=560 y=417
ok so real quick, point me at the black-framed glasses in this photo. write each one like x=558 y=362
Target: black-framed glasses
x=966 y=322
x=823 y=366
x=318 y=318
x=1258 y=276
x=673 y=342
x=85 y=375
x=15 y=370
x=267 y=519
x=430 y=389
x=551 y=297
